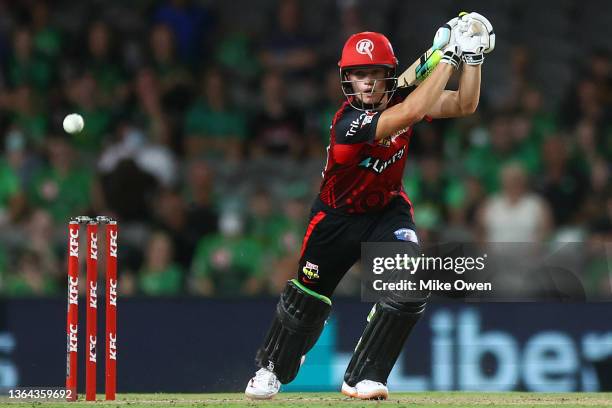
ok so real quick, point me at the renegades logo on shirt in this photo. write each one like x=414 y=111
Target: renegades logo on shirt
x=378 y=165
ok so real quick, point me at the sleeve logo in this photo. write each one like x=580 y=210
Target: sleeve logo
x=363 y=120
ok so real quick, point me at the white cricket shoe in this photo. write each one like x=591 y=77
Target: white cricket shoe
x=348 y=390
x=264 y=385
x=366 y=390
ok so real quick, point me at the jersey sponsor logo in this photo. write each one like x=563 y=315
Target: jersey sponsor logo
x=379 y=165
x=406 y=234
x=386 y=142
x=311 y=270
x=399 y=133
x=365 y=47
x=363 y=119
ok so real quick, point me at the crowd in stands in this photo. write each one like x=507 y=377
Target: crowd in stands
x=205 y=136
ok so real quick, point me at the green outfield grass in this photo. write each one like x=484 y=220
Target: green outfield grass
x=317 y=400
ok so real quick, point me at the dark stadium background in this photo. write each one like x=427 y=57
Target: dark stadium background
x=206 y=124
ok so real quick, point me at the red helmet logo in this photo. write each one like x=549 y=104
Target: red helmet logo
x=367 y=48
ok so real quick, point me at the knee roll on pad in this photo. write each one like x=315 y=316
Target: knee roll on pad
x=298 y=323
x=389 y=324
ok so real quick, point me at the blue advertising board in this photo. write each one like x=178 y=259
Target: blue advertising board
x=207 y=345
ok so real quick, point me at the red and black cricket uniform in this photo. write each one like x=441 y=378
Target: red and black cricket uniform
x=361 y=198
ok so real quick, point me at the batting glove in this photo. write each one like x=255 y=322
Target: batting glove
x=474 y=35
x=444 y=40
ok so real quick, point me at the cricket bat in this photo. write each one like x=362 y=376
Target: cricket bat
x=420 y=69
x=425 y=64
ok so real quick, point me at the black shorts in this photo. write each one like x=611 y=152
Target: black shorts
x=332 y=243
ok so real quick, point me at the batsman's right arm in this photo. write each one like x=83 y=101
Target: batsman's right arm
x=416 y=105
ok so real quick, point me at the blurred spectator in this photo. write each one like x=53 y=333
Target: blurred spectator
x=485 y=161
x=191 y=25
x=465 y=196
x=82 y=93
x=129 y=191
x=155 y=159
x=102 y=63
x=560 y=184
x=586 y=151
x=433 y=191
x=25 y=66
x=149 y=113
x=426 y=140
x=515 y=214
x=542 y=121
x=47 y=39
x=228 y=263
x=287 y=48
x=350 y=18
x=597 y=271
x=30 y=277
x=582 y=103
x=159 y=274
x=212 y=127
x=40 y=241
x=287 y=240
x=28 y=116
x=182 y=226
x=332 y=101
x=263 y=222
x=63 y=185
x=235 y=54
x=199 y=198
x=526 y=144
x=598 y=192
x=600 y=71
x=174 y=79
x=12 y=199
x=277 y=130
x=507 y=94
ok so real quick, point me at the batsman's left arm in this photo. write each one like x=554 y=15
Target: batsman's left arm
x=474 y=35
x=464 y=100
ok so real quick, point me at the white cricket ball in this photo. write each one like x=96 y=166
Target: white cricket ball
x=73 y=123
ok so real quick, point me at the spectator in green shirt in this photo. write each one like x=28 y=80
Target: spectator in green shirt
x=286 y=241
x=263 y=222
x=31 y=278
x=233 y=49
x=12 y=165
x=211 y=126
x=27 y=114
x=101 y=62
x=486 y=160
x=47 y=39
x=62 y=186
x=25 y=66
x=9 y=192
x=228 y=263
x=175 y=79
x=160 y=275
x=432 y=192
x=82 y=93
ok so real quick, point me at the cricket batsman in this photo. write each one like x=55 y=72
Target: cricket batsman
x=362 y=199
